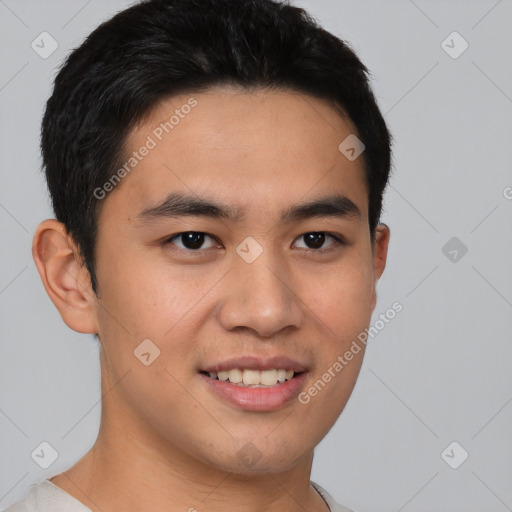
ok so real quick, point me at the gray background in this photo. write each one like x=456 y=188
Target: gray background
x=437 y=373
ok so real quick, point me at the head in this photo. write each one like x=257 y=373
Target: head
x=239 y=124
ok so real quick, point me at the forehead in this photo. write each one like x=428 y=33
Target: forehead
x=263 y=147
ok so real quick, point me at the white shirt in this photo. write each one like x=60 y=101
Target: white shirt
x=45 y=496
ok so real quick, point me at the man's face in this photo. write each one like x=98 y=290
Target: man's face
x=255 y=287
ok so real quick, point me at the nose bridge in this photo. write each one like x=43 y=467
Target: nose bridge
x=259 y=295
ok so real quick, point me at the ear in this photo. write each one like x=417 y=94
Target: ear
x=65 y=279
x=380 y=253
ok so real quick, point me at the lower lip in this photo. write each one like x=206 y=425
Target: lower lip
x=257 y=399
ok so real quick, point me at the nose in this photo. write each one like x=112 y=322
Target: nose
x=262 y=297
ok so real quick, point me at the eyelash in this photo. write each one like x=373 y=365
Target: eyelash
x=339 y=241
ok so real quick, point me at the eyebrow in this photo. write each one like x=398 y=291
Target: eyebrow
x=178 y=204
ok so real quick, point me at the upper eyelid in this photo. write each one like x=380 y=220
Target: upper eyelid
x=330 y=233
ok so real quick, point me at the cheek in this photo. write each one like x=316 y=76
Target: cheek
x=342 y=299
x=344 y=312
x=141 y=301
x=145 y=299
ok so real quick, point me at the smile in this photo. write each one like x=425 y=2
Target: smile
x=253 y=378
x=255 y=396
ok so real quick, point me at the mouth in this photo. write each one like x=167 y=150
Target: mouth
x=255 y=384
x=249 y=378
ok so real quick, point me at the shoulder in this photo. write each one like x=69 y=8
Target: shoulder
x=19 y=506
x=335 y=507
x=44 y=496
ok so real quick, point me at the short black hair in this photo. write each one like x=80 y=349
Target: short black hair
x=160 y=48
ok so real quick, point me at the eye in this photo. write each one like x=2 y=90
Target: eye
x=315 y=239
x=190 y=240
x=194 y=240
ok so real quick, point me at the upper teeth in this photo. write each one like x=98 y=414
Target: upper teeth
x=254 y=377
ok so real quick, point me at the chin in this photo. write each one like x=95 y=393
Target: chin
x=258 y=456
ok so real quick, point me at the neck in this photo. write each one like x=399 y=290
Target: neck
x=128 y=469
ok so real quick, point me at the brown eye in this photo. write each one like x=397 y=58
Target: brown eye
x=190 y=240
x=315 y=239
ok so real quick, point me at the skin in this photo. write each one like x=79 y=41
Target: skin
x=165 y=441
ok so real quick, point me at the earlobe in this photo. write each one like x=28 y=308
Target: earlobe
x=65 y=280
x=380 y=253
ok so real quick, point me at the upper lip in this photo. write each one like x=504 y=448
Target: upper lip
x=256 y=363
